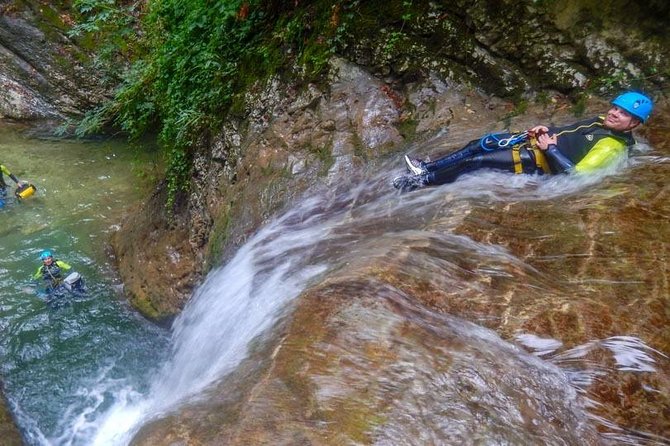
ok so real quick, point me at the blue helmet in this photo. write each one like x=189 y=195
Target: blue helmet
x=45 y=254
x=637 y=104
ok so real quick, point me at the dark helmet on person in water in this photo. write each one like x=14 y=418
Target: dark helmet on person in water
x=635 y=103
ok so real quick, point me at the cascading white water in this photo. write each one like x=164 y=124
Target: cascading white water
x=242 y=299
x=234 y=305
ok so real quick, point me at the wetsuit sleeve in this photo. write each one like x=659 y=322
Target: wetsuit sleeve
x=9 y=174
x=559 y=163
x=62 y=265
x=604 y=153
x=38 y=274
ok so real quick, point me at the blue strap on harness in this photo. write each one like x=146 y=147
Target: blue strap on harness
x=494 y=141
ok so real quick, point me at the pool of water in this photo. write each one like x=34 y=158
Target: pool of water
x=59 y=363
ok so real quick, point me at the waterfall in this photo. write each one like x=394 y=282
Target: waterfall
x=235 y=304
x=240 y=300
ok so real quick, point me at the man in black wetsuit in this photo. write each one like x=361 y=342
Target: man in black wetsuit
x=581 y=147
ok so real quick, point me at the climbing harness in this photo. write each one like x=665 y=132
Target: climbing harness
x=514 y=141
x=516 y=157
x=541 y=160
x=52 y=273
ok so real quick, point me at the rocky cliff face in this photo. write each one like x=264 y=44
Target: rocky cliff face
x=370 y=354
x=43 y=75
x=393 y=82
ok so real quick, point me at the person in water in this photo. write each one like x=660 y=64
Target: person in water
x=3 y=186
x=51 y=271
x=4 y=171
x=584 y=146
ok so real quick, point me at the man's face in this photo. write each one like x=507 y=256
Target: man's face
x=620 y=120
x=48 y=261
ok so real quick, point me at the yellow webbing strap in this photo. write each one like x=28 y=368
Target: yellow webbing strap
x=540 y=160
x=516 y=157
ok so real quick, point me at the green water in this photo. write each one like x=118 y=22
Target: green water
x=60 y=366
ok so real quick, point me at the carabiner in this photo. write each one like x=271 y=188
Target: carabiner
x=513 y=140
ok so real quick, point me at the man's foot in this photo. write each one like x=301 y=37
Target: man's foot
x=415 y=165
x=406 y=183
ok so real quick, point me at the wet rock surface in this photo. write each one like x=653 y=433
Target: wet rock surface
x=285 y=144
x=374 y=351
x=8 y=432
x=352 y=368
x=43 y=74
x=164 y=251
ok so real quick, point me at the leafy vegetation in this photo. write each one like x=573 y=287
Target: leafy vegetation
x=195 y=59
x=110 y=28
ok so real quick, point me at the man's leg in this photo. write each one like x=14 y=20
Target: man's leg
x=498 y=160
x=471 y=149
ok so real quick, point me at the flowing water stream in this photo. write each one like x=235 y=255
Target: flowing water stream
x=94 y=373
